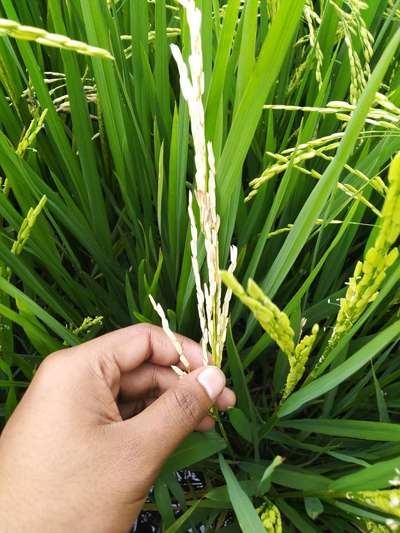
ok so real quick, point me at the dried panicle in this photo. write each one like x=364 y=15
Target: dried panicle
x=363 y=287
x=270 y=517
x=31 y=133
x=30 y=33
x=298 y=360
x=387 y=501
x=213 y=314
x=26 y=226
x=170 y=334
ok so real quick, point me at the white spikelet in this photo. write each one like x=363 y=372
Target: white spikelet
x=212 y=316
x=197 y=279
x=170 y=334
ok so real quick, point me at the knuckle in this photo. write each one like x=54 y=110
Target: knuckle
x=49 y=363
x=106 y=367
x=187 y=407
x=155 y=377
x=53 y=364
x=144 y=328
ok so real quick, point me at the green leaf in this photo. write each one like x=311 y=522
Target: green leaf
x=241 y=423
x=318 y=198
x=40 y=313
x=302 y=524
x=247 y=47
x=313 y=507
x=221 y=61
x=245 y=512
x=196 y=448
x=244 y=400
x=181 y=521
x=374 y=477
x=163 y=501
x=299 y=479
x=355 y=429
x=265 y=481
x=245 y=121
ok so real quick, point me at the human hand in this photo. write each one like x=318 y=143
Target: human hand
x=94 y=428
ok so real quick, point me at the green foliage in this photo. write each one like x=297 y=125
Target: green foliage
x=302 y=106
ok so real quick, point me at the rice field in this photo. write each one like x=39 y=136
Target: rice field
x=229 y=170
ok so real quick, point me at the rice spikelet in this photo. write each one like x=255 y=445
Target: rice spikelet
x=170 y=334
x=352 y=25
x=26 y=227
x=213 y=312
x=31 y=133
x=313 y=21
x=16 y=30
x=270 y=517
x=386 y=501
x=363 y=287
x=277 y=324
x=298 y=360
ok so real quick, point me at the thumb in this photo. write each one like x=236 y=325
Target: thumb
x=175 y=414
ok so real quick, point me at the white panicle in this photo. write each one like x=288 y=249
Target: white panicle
x=197 y=279
x=193 y=88
x=186 y=86
x=170 y=334
x=213 y=315
x=223 y=323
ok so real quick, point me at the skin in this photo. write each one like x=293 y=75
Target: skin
x=89 y=437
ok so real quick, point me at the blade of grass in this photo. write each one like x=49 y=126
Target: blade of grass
x=246 y=514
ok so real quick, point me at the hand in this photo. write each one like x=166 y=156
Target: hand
x=92 y=431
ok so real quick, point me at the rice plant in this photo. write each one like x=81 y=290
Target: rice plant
x=156 y=157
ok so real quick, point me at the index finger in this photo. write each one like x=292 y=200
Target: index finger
x=131 y=346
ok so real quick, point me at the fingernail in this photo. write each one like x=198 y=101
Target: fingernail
x=212 y=379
